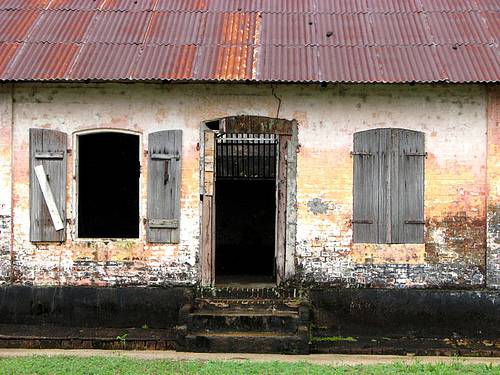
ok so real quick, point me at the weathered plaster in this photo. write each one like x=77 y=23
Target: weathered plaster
x=493 y=176
x=5 y=181
x=453 y=118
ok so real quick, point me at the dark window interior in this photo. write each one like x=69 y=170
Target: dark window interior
x=108 y=185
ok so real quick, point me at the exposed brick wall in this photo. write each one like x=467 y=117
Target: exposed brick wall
x=493 y=215
x=453 y=118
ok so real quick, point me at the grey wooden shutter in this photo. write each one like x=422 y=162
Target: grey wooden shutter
x=47 y=185
x=366 y=186
x=164 y=186
x=408 y=187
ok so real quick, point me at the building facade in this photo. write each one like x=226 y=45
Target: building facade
x=458 y=247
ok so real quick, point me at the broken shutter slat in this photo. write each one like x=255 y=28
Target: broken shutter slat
x=410 y=157
x=366 y=182
x=48 y=169
x=164 y=186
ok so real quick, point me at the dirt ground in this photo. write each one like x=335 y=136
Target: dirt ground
x=325 y=359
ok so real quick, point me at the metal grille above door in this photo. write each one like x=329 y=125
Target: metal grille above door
x=246 y=156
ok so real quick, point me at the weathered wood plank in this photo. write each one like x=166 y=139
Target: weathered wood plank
x=49 y=197
x=46 y=142
x=164 y=185
x=207 y=251
x=281 y=193
x=366 y=186
x=411 y=158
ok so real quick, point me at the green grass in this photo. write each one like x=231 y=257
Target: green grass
x=115 y=365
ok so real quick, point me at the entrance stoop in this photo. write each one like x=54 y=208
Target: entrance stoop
x=245 y=320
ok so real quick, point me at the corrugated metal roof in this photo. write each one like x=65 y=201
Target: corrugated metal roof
x=256 y=40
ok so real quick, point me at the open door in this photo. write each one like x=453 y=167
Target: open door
x=208 y=215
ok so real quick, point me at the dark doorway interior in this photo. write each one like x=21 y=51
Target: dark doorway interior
x=245 y=209
x=245 y=221
x=108 y=185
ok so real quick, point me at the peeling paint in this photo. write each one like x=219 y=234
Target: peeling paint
x=451 y=116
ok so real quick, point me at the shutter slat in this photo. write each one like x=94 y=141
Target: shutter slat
x=366 y=183
x=385 y=169
x=48 y=149
x=411 y=160
x=164 y=186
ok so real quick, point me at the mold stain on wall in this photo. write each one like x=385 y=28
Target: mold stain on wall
x=455 y=179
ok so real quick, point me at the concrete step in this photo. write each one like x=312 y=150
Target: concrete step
x=245 y=304
x=244 y=320
x=248 y=293
x=254 y=342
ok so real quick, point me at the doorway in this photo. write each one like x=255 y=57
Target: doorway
x=248 y=192
x=245 y=209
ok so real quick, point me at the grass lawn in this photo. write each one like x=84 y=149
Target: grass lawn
x=114 y=365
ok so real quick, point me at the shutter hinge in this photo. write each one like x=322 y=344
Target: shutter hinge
x=414 y=222
x=416 y=154
x=361 y=153
x=164 y=157
x=163 y=224
x=362 y=221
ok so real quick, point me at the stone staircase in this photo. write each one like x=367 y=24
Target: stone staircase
x=245 y=320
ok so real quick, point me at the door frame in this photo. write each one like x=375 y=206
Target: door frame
x=286 y=192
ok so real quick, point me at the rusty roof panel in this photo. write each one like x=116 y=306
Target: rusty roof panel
x=75 y=4
x=166 y=62
x=262 y=40
x=230 y=28
x=288 y=6
x=344 y=29
x=182 y=5
x=61 y=26
x=458 y=28
x=479 y=61
x=449 y=5
x=23 y=4
x=399 y=29
x=288 y=29
x=119 y=27
x=391 y=6
x=407 y=64
x=7 y=52
x=176 y=28
x=288 y=64
x=137 y=5
x=15 y=24
x=492 y=5
x=42 y=61
x=225 y=63
x=342 y=6
x=492 y=20
x=110 y=61
x=348 y=64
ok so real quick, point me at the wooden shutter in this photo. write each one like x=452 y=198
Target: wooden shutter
x=366 y=186
x=47 y=185
x=164 y=186
x=408 y=187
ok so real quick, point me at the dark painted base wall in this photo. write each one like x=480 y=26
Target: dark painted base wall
x=419 y=313
x=343 y=320
x=92 y=307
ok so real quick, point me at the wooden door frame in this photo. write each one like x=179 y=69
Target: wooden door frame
x=287 y=133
